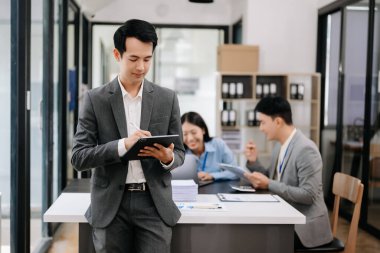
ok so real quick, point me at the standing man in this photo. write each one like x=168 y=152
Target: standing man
x=295 y=173
x=131 y=204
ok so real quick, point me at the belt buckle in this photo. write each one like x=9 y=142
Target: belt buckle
x=139 y=187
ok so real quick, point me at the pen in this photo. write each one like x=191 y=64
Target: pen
x=134 y=125
x=198 y=206
x=210 y=206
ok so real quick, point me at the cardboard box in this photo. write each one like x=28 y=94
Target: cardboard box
x=242 y=58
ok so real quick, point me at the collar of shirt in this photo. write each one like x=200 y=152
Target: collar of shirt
x=286 y=143
x=209 y=147
x=125 y=93
x=281 y=155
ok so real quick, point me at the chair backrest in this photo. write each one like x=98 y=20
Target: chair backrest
x=374 y=149
x=349 y=188
x=374 y=172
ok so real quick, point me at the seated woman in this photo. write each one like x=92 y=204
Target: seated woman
x=210 y=151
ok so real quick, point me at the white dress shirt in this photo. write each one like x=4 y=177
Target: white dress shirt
x=132 y=108
x=282 y=154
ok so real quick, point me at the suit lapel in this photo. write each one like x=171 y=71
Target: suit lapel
x=289 y=152
x=146 y=105
x=117 y=105
x=273 y=168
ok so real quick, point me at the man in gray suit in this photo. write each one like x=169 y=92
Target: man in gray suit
x=131 y=204
x=295 y=172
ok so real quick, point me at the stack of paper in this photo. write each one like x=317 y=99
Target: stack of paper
x=184 y=190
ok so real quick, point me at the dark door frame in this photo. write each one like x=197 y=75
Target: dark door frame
x=62 y=87
x=321 y=57
x=20 y=126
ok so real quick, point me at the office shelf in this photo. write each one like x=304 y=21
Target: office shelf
x=305 y=108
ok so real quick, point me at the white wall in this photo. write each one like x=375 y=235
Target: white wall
x=104 y=34
x=237 y=10
x=286 y=32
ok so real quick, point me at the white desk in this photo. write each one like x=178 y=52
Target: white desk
x=242 y=227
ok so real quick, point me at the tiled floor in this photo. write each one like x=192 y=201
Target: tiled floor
x=35 y=234
x=66 y=240
x=365 y=242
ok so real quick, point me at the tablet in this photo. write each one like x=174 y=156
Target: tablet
x=239 y=171
x=164 y=140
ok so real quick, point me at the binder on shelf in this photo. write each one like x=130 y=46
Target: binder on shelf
x=265 y=90
x=300 y=91
x=259 y=90
x=232 y=90
x=239 y=90
x=236 y=86
x=225 y=90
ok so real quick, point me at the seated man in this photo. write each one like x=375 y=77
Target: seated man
x=295 y=173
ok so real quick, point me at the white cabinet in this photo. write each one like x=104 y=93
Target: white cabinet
x=302 y=90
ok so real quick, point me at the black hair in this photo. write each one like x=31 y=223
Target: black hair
x=196 y=119
x=139 y=29
x=275 y=107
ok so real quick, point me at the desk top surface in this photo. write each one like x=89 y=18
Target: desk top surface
x=72 y=204
x=83 y=186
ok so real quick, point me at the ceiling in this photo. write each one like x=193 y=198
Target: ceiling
x=159 y=11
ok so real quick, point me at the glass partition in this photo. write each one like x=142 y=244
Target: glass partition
x=354 y=68
x=5 y=109
x=72 y=55
x=36 y=147
x=56 y=178
x=351 y=91
x=328 y=134
x=186 y=61
x=373 y=217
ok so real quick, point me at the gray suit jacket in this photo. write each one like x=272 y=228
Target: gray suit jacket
x=101 y=124
x=301 y=186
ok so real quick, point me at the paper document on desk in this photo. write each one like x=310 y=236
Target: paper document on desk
x=239 y=171
x=247 y=197
x=200 y=206
x=184 y=190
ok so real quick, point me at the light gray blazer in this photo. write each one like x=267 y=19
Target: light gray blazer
x=101 y=124
x=301 y=186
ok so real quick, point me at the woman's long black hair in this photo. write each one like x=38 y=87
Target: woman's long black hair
x=196 y=119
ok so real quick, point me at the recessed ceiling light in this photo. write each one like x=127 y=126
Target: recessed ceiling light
x=201 y=1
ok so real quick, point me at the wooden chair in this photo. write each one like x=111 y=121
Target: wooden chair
x=349 y=188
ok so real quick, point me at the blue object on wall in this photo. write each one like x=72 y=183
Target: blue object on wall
x=72 y=89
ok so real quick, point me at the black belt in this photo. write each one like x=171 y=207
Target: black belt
x=141 y=187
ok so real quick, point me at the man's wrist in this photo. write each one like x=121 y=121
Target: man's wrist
x=168 y=165
x=250 y=162
x=121 y=148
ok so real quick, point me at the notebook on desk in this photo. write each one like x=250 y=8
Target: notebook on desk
x=188 y=170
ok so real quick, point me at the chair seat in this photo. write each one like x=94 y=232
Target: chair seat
x=335 y=245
